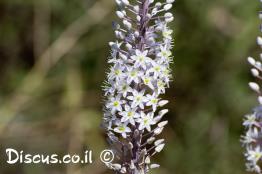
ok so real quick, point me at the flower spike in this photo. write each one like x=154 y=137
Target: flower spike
x=252 y=139
x=140 y=72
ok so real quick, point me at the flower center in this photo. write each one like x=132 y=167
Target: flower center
x=122 y=128
x=146 y=81
x=133 y=73
x=116 y=103
x=124 y=87
x=258 y=155
x=157 y=68
x=167 y=33
x=117 y=72
x=130 y=114
x=141 y=58
x=138 y=98
x=154 y=101
x=165 y=53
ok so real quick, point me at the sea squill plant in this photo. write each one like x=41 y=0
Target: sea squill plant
x=139 y=73
x=252 y=140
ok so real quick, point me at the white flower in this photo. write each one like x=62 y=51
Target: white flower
x=167 y=33
x=148 y=81
x=133 y=75
x=141 y=59
x=254 y=155
x=156 y=70
x=160 y=87
x=252 y=167
x=109 y=90
x=250 y=120
x=129 y=115
x=152 y=101
x=115 y=45
x=116 y=72
x=137 y=99
x=250 y=137
x=145 y=121
x=166 y=73
x=122 y=129
x=115 y=104
x=164 y=52
x=123 y=89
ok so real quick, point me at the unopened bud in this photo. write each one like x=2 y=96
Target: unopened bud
x=254 y=86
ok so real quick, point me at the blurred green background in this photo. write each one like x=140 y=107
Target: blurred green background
x=52 y=65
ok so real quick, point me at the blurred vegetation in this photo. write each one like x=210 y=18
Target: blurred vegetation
x=53 y=62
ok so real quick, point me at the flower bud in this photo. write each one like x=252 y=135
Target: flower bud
x=153 y=166
x=120 y=14
x=254 y=72
x=170 y=1
x=260 y=100
x=167 y=7
x=126 y=2
x=159 y=148
x=251 y=60
x=259 y=41
x=158 y=142
x=254 y=86
x=162 y=124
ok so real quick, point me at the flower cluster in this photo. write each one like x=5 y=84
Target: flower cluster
x=139 y=74
x=252 y=140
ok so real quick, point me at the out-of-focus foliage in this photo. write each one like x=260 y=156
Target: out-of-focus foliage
x=53 y=62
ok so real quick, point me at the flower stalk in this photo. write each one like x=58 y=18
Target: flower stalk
x=139 y=73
